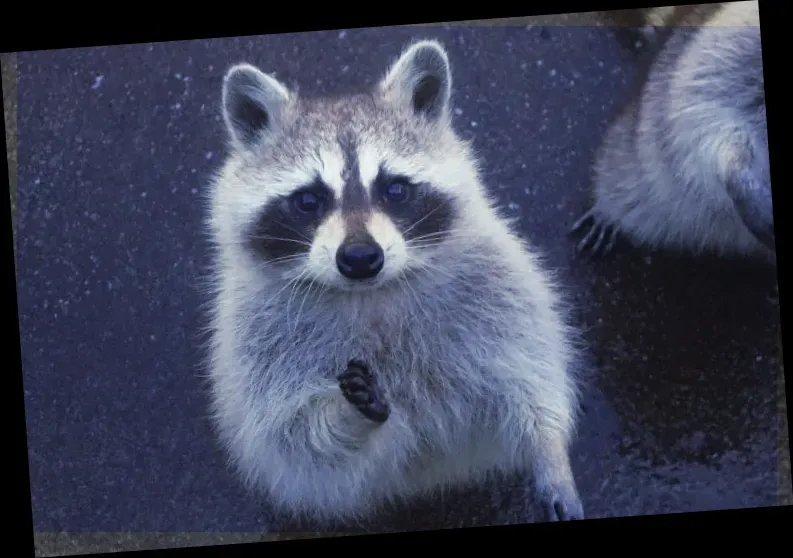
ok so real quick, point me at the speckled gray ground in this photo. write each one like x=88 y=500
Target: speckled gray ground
x=115 y=145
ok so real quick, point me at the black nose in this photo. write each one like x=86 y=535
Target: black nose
x=360 y=260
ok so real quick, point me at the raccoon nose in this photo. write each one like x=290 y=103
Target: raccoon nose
x=360 y=260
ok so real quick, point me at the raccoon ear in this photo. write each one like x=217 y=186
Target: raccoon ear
x=253 y=103
x=421 y=80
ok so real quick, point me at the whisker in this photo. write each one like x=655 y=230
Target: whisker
x=295 y=285
x=283 y=260
x=300 y=234
x=436 y=208
x=436 y=233
x=272 y=298
x=322 y=290
x=458 y=233
x=404 y=281
x=286 y=258
x=289 y=258
x=278 y=238
x=435 y=269
x=300 y=310
x=425 y=244
x=413 y=242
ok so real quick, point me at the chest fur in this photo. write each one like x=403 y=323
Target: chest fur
x=427 y=351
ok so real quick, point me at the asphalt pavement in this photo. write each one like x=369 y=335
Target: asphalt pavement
x=116 y=144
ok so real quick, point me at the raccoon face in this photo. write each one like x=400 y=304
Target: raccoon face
x=352 y=193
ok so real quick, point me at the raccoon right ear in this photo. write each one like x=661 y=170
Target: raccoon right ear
x=253 y=103
x=421 y=80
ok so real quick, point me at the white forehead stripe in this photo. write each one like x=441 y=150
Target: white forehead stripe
x=331 y=166
x=368 y=164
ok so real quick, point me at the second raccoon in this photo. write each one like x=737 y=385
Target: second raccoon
x=685 y=163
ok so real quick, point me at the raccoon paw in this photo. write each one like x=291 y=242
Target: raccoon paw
x=360 y=390
x=600 y=237
x=562 y=505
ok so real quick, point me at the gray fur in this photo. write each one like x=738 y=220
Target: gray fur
x=685 y=163
x=464 y=332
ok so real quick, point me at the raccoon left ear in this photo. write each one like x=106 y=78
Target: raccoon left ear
x=253 y=103
x=421 y=80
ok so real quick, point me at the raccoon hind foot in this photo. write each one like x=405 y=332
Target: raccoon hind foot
x=360 y=390
x=561 y=503
x=600 y=237
x=558 y=508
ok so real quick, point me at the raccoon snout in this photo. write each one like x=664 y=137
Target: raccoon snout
x=360 y=259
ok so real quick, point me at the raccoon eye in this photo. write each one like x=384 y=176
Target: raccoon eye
x=307 y=201
x=397 y=192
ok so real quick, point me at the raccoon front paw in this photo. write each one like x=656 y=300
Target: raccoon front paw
x=360 y=389
x=562 y=504
x=600 y=237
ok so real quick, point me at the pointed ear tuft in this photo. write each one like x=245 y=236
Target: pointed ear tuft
x=420 y=80
x=253 y=104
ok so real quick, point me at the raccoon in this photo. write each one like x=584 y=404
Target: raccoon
x=634 y=28
x=685 y=163
x=378 y=331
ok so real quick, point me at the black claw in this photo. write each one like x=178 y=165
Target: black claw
x=598 y=245
x=613 y=238
x=360 y=367
x=599 y=239
x=586 y=217
x=356 y=397
x=557 y=510
x=376 y=412
x=360 y=390
x=355 y=383
x=561 y=514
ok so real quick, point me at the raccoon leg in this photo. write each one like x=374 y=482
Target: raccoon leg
x=361 y=391
x=752 y=200
x=601 y=236
x=311 y=463
x=332 y=426
x=555 y=483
